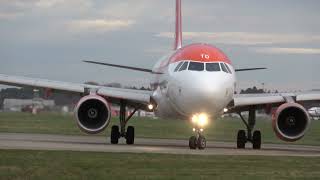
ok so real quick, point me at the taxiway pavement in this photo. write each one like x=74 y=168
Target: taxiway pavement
x=143 y=145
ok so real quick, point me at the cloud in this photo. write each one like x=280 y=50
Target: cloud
x=24 y=4
x=277 y=50
x=71 y=5
x=9 y=16
x=48 y=3
x=158 y=50
x=123 y=9
x=246 y=38
x=99 y=25
x=44 y=7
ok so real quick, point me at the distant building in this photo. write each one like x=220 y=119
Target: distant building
x=115 y=111
x=314 y=113
x=27 y=104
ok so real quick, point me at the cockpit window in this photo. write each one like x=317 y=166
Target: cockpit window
x=184 y=66
x=228 y=68
x=212 y=67
x=178 y=66
x=196 y=66
x=223 y=67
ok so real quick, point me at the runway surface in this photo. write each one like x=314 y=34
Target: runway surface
x=164 y=146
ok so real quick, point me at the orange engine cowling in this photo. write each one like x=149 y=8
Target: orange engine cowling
x=92 y=114
x=290 y=121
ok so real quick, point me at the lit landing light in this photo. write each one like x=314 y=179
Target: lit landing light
x=225 y=110
x=150 y=107
x=194 y=119
x=203 y=120
x=200 y=120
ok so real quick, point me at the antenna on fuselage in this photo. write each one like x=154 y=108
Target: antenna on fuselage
x=178 y=29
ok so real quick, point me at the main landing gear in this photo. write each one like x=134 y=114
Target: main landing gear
x=198 y=140
x=246 y=136
x=117 y=133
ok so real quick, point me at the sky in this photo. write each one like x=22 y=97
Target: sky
x=50 y=38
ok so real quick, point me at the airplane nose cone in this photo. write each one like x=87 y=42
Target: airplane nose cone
x=203 y=96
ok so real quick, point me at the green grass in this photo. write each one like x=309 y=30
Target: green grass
x=18 y=164
x=223 y=129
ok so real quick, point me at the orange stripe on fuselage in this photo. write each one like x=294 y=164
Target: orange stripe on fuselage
x=195 y=52
x=200 y=53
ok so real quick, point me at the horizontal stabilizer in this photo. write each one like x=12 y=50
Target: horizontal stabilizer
x=124 y=67
x=249 y=69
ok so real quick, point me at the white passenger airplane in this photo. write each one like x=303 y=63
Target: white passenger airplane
x=195 y=82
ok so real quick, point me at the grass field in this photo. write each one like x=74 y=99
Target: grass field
x=24 y=164
x=223 y=129
x=82 y=165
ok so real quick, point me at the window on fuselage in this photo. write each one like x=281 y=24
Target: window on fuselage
x=178 y=66
x=212 y=67
x=228 y=68
x=196 y=66
x=184 y=66
x=223 y=67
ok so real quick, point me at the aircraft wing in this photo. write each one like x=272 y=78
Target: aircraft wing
x=242 y=102
x=115 y=94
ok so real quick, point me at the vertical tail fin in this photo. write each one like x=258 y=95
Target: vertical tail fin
x=178 y=33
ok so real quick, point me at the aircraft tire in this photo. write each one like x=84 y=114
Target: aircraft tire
x=130 y=135
x=241 y=139
x=202 y=143
x=192 y=142
x=115 y=135
x=256 y=140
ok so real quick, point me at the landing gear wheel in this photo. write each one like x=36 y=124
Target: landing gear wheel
x=115 y=135
x=241 y=139
x=202 y=143
x=130 y=135
x=193 y=142
x=256 y=140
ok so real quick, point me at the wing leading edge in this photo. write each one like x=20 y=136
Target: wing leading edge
x=137 y=96
x=244 y=101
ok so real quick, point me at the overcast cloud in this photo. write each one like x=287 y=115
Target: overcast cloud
x=49 y=38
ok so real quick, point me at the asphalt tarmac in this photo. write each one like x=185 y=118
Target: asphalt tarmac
x=142 y=145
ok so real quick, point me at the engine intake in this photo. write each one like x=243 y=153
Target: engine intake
x=290 y=122
x=92 y=114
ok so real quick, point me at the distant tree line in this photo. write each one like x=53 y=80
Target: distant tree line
x=118 y=85
x=255 y=90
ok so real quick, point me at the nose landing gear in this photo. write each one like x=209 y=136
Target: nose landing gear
x=198 y=140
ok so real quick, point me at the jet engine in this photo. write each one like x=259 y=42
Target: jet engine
x=290 y=121
x=92 y=114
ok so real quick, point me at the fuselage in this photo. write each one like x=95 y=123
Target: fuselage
x=198 y=78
